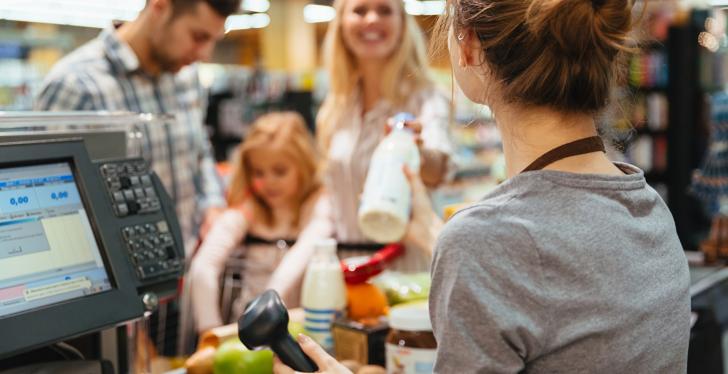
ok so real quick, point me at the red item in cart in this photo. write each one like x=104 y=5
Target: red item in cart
x=360 y=269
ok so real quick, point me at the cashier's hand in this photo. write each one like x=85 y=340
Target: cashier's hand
x=323 y=360
x=425 y=225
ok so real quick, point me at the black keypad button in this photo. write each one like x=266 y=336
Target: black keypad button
x=133 y=207
x=171 y=253
x=125 y=182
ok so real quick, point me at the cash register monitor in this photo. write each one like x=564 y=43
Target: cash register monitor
x=48 y=252
x=59 y=278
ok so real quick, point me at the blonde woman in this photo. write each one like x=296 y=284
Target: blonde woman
x=375 y=54
x=272 y=194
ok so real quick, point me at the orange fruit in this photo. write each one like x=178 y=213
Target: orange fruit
x=365 y=301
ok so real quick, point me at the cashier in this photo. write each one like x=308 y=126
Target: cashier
x=375 y=56
x=572 y=264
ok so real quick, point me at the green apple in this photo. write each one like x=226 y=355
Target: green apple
x=295 y=328
x=232 y=357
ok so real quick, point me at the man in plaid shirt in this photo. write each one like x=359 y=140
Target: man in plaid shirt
x=146 y=66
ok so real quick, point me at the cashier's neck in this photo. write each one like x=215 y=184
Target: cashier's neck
x=528 y=132
x=137 y=37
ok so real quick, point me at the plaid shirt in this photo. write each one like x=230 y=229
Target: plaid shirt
x=104 y=74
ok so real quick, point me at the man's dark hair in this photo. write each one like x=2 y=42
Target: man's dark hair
x=221 y=7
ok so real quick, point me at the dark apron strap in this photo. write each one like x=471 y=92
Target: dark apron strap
x=252 y=239
x=362 y=247
x=575 y=148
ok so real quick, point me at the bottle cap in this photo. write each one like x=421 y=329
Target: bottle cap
x=326 y=246
x=399 y=120
x=410 y=317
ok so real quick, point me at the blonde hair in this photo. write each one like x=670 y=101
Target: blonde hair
x=406 y=67
x=284 y=131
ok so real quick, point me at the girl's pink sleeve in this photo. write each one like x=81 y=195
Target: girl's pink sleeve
x=318 y=225
x=208 y=265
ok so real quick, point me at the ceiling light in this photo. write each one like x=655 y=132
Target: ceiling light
x=247 y=21
x=259 y=6
x=314 y=13
x=425 y=8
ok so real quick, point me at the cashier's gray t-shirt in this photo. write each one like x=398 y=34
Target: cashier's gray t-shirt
x=558 y=272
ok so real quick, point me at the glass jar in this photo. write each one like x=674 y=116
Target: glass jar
x=410 y=346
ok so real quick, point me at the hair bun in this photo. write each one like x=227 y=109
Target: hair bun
x=597 y=4
x=580 y=28
x=564 y=54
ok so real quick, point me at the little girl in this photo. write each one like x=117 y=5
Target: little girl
x=272 y=195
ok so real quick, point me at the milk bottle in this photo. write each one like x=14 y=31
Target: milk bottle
x=323 y=296
x=385 y=206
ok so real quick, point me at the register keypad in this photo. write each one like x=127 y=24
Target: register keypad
x=151 y=249
x=130 y=186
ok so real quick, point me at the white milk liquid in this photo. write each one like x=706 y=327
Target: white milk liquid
x=386 y=201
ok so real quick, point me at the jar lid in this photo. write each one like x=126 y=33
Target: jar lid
x=410 y=317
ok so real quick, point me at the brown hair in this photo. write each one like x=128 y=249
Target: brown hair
x=222 y=7
x=287 y=133
x=564 y=54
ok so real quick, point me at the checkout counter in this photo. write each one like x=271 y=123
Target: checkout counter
x=709 y=294
x=90 y=242
x=89 y=238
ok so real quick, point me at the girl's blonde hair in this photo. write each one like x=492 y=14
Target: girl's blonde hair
x=405 y=68
x=286 y=132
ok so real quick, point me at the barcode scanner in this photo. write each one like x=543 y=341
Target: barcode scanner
x=265 y=323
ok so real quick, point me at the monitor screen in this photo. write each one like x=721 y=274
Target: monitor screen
x=48 y=252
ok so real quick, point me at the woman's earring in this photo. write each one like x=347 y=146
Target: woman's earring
x=461 y=37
